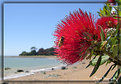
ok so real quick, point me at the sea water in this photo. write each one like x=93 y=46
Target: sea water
x=28 y=64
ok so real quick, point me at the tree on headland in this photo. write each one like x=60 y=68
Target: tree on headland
x=41 y=51
x=24 y=53
x=33 y=52
x=33 y=48
x=50 y=51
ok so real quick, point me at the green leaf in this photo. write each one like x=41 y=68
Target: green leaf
x=88 y=65
x=104 y=59
x=102 y=34
x=103 y=44
x=106 y=73
x=100 y=14
x=106 y=10
x=107 y=62
x=120 y=47
x=90 y=62
x=86 y=53
x=119 y=81
x=114 y=41
x=115 y=50
x=119 y=13
x=112 y=82
x=96 y=66
x=91 y=53
x=116 y=75
x=119 y=2
x=113 y=67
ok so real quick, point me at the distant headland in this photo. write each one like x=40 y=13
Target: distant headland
x=41 y=51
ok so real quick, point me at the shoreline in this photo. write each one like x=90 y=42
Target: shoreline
x=41 y=56
x=31 y=72
x=73 y=72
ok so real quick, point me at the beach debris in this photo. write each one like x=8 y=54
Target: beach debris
x=16 y=72
x=20 y=70
x=7 y=68
x=43 y=72
x=26 y=71
x=63 y=68
x=52 y=68
x=74 y=67
x=52 y=75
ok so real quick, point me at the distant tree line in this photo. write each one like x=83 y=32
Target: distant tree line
x=41 y=51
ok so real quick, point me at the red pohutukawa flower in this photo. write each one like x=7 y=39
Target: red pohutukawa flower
x=75 y=33
x=106 y=22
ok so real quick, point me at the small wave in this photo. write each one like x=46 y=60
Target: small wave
x=32 y=72
x=17 y=75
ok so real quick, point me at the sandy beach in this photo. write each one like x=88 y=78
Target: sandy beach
x=74 y=72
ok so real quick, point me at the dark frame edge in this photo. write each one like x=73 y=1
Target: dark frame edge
x=2 y=42
x=38 y=2
x=2 y=36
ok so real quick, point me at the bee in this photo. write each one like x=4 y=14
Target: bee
x=60 y=43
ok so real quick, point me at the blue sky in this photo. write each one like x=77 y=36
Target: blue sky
x=27 y=25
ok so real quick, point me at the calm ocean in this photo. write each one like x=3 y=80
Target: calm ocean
x=27 y=64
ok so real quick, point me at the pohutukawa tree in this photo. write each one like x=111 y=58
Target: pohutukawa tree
x=80 y=36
